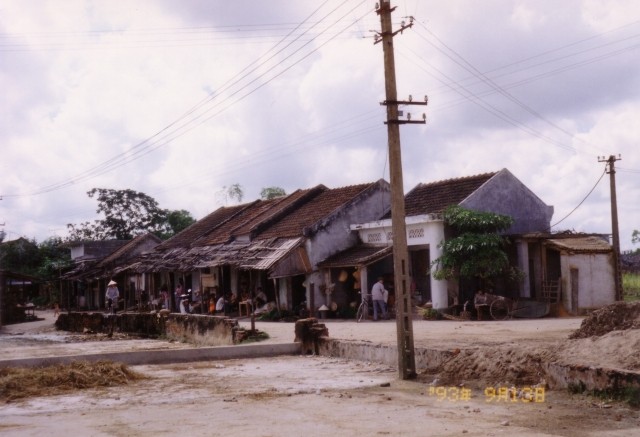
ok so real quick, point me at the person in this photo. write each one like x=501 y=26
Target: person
x=481 y=304
x=178 y=295
x=220 y=304
x=111 y=296
x=212 y=306
x=184 y=306
x=261 y=298
x=377 y=294
x=197 y=305
x=164 y=297
x=232 y=303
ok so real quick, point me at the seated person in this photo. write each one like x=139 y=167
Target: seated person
x=261 y=298
x=481 y=304
x=480 y=298
x=220 y=304
x=185 y=305
x=196 y=302
x=212 y=306
x=231 y=303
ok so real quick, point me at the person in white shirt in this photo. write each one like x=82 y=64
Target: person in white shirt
x=377 y=294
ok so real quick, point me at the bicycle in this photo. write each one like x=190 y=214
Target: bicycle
x=363 y=309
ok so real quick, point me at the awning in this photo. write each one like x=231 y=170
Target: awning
x=360 y=255
x=580 y=245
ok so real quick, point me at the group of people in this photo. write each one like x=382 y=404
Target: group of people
x=188 y=302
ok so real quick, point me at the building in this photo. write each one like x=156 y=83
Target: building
x=498 y=192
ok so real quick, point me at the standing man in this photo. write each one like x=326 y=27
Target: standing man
x=377 y=294
x=178 y=295
x=111 y=296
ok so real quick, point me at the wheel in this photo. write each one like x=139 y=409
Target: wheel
x=499 y=309
x=360 y=312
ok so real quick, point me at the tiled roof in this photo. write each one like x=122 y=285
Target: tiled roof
x=581 y=244
x=128 y=249
x=435 y=197
x=202 y=227
x=275 y=228
x=357 y=255
x=311 y=213
x=259 y=215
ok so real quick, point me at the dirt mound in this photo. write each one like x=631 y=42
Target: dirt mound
x=496 y=365
x=615 y=317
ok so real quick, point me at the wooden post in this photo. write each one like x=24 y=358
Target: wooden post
x=404 y=322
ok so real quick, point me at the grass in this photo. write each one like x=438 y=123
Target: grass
x=19 y=383
x=631 y=286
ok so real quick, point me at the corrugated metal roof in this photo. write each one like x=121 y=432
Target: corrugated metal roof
x=263 y=254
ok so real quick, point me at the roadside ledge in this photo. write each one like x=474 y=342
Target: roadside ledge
x=166 y=356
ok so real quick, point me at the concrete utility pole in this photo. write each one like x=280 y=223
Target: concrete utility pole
x=404 y=313
x=614 y=221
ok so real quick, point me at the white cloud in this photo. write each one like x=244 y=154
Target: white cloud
x=86 y=81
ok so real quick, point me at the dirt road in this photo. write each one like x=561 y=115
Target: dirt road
x=311 y=396
x=314 y=396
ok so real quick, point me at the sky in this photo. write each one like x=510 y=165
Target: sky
x=182 y=99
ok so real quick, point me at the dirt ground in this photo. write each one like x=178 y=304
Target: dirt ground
x=322 y=396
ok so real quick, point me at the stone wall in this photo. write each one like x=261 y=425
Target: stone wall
x=201 y=330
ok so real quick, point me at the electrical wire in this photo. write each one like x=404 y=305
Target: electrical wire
x=581 y=202
x=149 y=145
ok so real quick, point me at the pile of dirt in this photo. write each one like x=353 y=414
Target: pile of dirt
x=618 y=316
x=499 y=365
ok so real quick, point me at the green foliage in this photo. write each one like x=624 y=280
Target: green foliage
x=177 y=221
x=44 y=260
x=429 y=313
x=272 y=192
x=128 y=213
x=20 y=256
x=466 y=220
x=631 y=286
x=54 y=258
x=477 y=250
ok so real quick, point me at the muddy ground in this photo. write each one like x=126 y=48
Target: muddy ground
x=313 y=396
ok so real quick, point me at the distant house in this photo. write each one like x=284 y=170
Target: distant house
x=578 y=270
x=273 y=244
x=499 y=192
x=95 y=264
x=16 y=289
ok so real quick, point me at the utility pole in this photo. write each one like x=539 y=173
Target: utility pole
x=404 y=312
x=614 y=221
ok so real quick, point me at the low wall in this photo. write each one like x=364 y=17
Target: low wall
x=201 y=330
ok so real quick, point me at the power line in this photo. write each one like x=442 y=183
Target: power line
x=581 y=202
x=164 y=136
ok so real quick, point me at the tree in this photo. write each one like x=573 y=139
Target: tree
x=127 y=213
x=20 y=256
x=177 y=220
x=234 y=191
x=272 y=192
x=635 y=236
x=476 y=250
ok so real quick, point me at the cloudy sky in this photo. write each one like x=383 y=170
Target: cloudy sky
x=179 y=99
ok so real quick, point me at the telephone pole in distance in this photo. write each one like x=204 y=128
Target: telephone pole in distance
x=615 y=233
